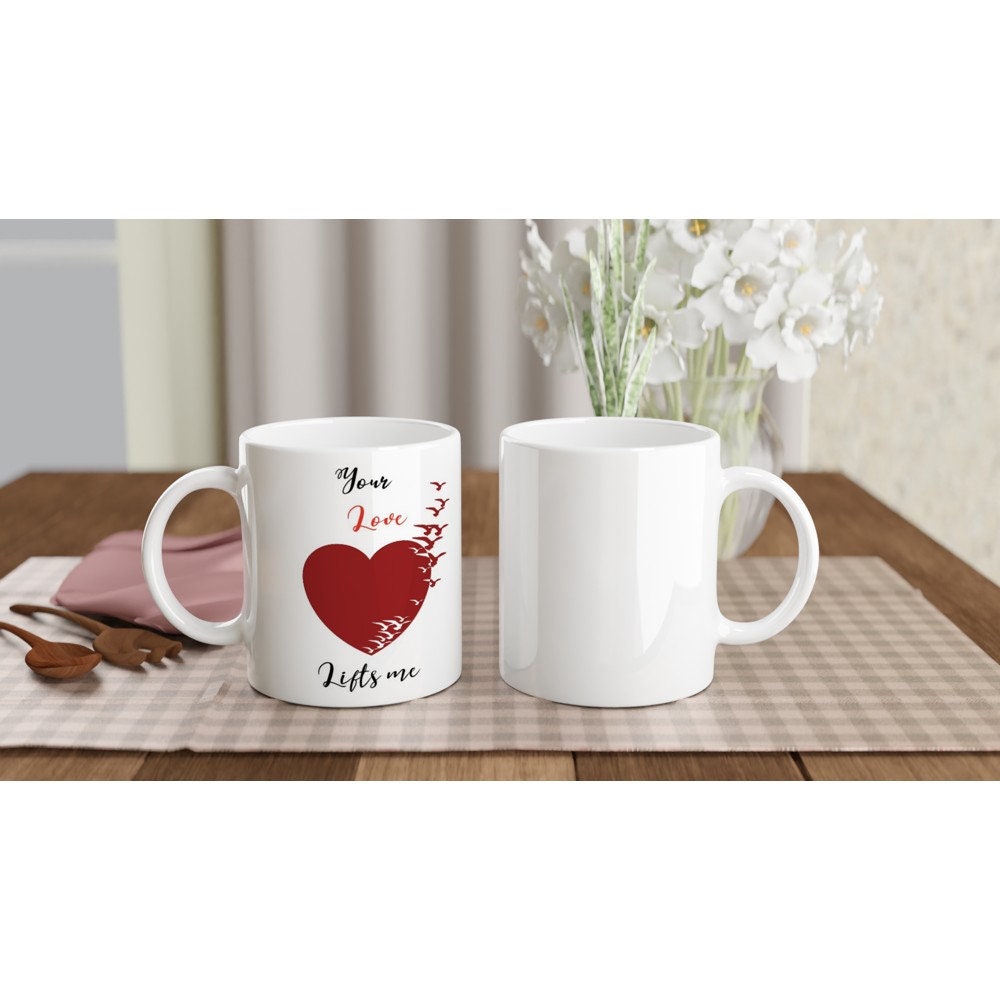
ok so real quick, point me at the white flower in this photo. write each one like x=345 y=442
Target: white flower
x=536 y=267
x=777 y=302
x=735 y=290
x=797 y=244
x=661 y=294
x=543 y=312
x=669 y=256
x=695 y=235
x=732 y=294
x=855 y=287
x=546 y=326
x=854 y=270
x=793 y=345
x=862 y=317
x=810 y=288
x=744 y=290
x=758 y=245
x=666 y=366
x=575 y=271
x=537 y=325
x=687 y=327
x=538 y=246
x=713 y=266
x=582 y=242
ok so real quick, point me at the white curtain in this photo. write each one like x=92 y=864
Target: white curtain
x=171 y=352
x=397 y=318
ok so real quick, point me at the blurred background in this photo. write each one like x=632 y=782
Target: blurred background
x=152 y=344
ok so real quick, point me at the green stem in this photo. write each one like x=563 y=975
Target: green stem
x=640 y=248
x=703 y=360
x=700 y=368
x=758 y=404
x=721 y=353
x=678 y=402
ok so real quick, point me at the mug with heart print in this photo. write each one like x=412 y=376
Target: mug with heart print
x=352 y=548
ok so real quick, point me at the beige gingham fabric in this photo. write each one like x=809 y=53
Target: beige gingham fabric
x=869 y=665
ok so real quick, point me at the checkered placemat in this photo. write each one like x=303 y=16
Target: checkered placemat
x=869 y=665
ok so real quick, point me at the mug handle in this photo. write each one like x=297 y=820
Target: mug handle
x=743 y=477
x=217 y=477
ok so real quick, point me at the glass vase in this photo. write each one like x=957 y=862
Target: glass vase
x=734 y=406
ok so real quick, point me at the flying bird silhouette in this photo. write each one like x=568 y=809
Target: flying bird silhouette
x=440 y=486
x=433 y=582
x=428 y=528
x=392 y=624
x=437 y=510
x=433 y=560
x=428 y=543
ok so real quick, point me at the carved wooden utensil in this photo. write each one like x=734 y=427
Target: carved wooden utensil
x=124 y=647
x=62 y=660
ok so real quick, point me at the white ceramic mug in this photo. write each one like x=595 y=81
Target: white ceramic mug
x=352 y=532
x=608 y=547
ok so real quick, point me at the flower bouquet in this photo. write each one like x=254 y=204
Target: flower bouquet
x=687 y=319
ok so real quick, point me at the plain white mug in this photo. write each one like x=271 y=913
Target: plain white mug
x=352 y=532
x=608 y=548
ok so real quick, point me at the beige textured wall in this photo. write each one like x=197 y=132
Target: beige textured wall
x=915 y=418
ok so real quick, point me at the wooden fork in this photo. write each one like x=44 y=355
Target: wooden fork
x=124 y=647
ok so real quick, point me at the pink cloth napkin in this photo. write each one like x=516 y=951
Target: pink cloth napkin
x=206 y=574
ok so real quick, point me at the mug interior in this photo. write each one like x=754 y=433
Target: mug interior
x=339 y=433
x=602 y=433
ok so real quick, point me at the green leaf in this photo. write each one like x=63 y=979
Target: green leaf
x=601 y=297
x=608 y=314
x=618 y=254
x=635 y=377
x=584 y=348
x=638 y=378
x=627 y=356
x=627 y=353
x=597 y=386
x=640 y=246
x=617 y=281
x=598 y=287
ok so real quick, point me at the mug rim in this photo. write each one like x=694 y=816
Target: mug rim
x=702 y=434
x=446 y=433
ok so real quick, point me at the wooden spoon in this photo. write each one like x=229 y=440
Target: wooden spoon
x=124 y=647
x=62 y=660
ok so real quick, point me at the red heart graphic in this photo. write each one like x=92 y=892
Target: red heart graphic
x=369 y=603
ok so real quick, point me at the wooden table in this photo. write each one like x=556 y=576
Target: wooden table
x=47 y=514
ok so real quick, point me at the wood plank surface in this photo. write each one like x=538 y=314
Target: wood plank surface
x=45 y=764
x=67 y=513
x=185 y=765
x=686 y=767
x=497 y=766
x=902 y=766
